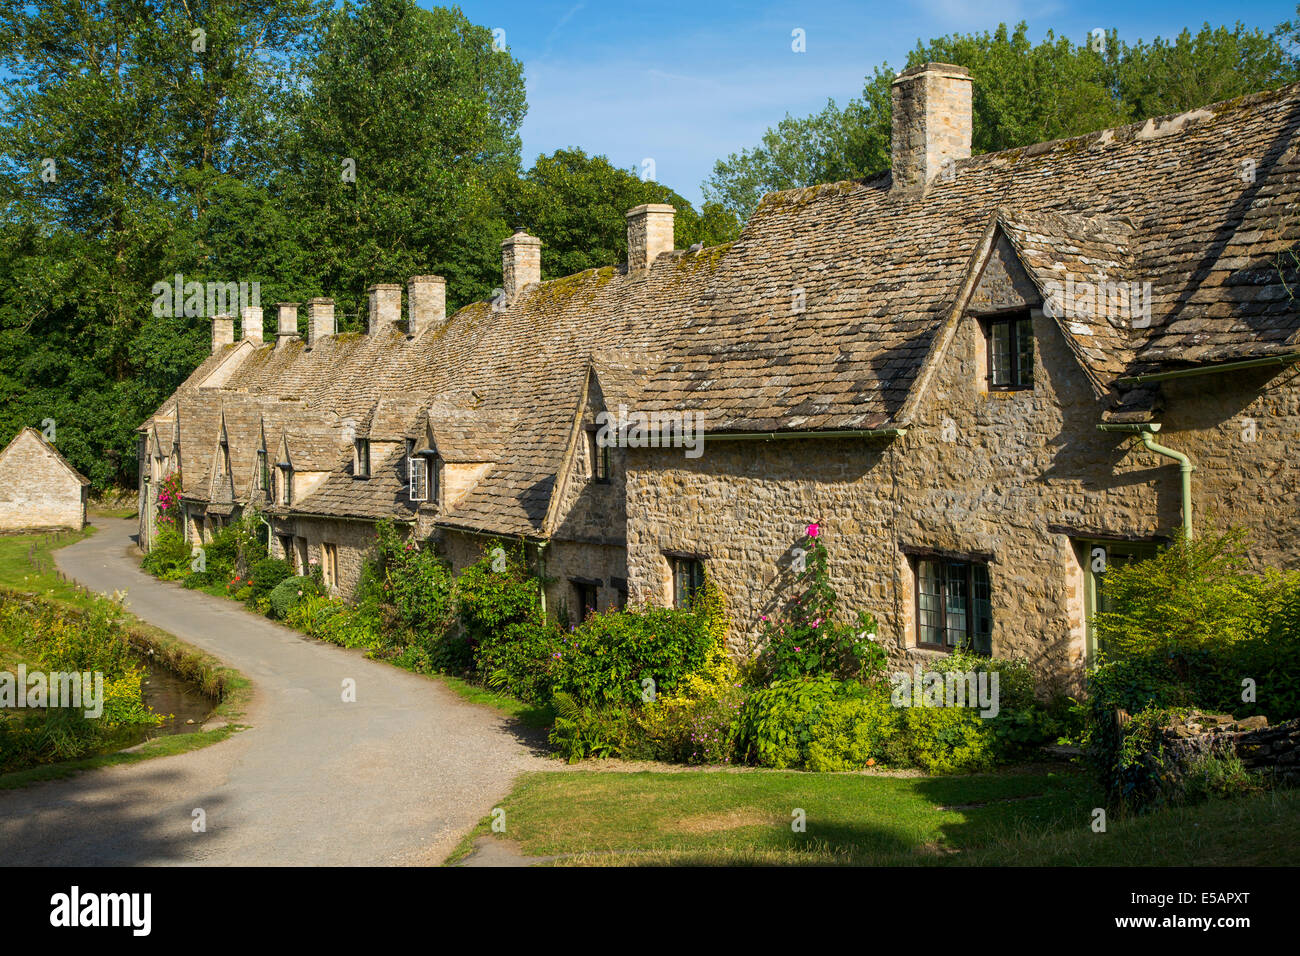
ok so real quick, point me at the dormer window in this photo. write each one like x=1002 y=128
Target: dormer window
x=1010 y=351
x=361 y=463
x=286 y=484
x=262 y=480
x=223 y=461
x=417 y=469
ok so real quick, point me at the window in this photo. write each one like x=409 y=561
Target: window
x=1011 y=352
x=688 y=580
x=329 y=564
x=262 y=480
x=286 y=486
x=620 y=587
x=223 y=461
x=598 y=456
x=418 y=470
x=361 y=463
x=585 y=593
x=953 y=605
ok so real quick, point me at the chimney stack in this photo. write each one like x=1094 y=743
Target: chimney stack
x=385 y=305
x=250 y=323
x=286 y=322
x=521 y=264
x=426 y=302
x=223 y=332
x=931 y=123
x=320 y=320
x=649 y=232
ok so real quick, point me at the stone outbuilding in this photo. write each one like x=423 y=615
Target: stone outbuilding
x=39 y=490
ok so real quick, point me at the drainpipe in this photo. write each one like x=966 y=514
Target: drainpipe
x=1185 y=465
x=541 y=573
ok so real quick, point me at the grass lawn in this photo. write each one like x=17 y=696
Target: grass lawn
x=1034 y=816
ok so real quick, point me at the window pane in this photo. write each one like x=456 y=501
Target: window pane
x=955 y=603
x=982 y=633
x=1000 y=353
x=1025 y=352
x=929 y=593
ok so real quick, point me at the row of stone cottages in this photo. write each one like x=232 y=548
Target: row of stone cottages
x=986 y=378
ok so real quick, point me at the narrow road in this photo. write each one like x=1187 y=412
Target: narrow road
x=395 y=778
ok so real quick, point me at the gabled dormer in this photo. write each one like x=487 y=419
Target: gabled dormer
x=282 y=482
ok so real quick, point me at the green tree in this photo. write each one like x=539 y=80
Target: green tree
x=575 y=204
x=1023 y=93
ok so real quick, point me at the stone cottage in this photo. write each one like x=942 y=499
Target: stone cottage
x=39 y=490
x=986 y=379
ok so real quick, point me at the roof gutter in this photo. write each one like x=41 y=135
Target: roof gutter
x=1287 y=358
x=1185 y=466
x=777 y=436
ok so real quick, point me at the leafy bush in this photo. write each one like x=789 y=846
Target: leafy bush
x=522 y=660
x=617 y=658
x=415 y=582
x=169 y=555
x=700 y=723
x=289 y=592
x=267 y=574
x=806 y=638
x=582 y=731
x=1186 y=628
x=496 y=591
x=335 y=621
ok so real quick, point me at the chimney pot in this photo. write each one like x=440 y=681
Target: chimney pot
x=286 y=321
x=223 y=332
x=385 y=305
x=649 y=232
x=521 y=264
x=320 y=320
x=250 y=323
x=426 y=302
x=931 y=123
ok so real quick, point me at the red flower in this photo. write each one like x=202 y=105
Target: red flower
x=813 y=530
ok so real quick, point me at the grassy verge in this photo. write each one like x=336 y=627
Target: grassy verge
x=530 y=715
x=1038 y=818
x=27 y=568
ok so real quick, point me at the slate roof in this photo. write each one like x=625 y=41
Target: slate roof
x=880 y=271
x=824 y=314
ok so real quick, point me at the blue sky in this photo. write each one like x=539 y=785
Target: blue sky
x=685 y=83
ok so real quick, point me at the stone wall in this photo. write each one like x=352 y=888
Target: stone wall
x=1023 y=478
x=37 y=490
x=354 y=540
x=1274 y=751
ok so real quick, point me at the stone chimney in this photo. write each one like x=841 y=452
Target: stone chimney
x=649 y=232
x=931 y=124
x=223 y=332
x=426 y=303
x=320 y=320
x=385 y=305
x=521 y=263
x=250 y=323
x=286 y=322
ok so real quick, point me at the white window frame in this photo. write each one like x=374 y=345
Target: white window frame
x=417 y=467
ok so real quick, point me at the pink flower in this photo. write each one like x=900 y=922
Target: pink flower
x=813 y=530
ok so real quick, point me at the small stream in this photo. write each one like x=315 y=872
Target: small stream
x=168 y=694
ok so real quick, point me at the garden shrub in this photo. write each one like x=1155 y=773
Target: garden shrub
x=496 y=591
x=583 y=732
x=697 y=725
x=267 y=574
x=523 y=659
x=285 y=595
x=807 y=638
x=622 y=658
x=416 y=582
x=169 y=555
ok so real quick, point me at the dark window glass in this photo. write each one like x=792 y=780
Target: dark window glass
x=688 y=581
x=1011 y=352
x=954 y=606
